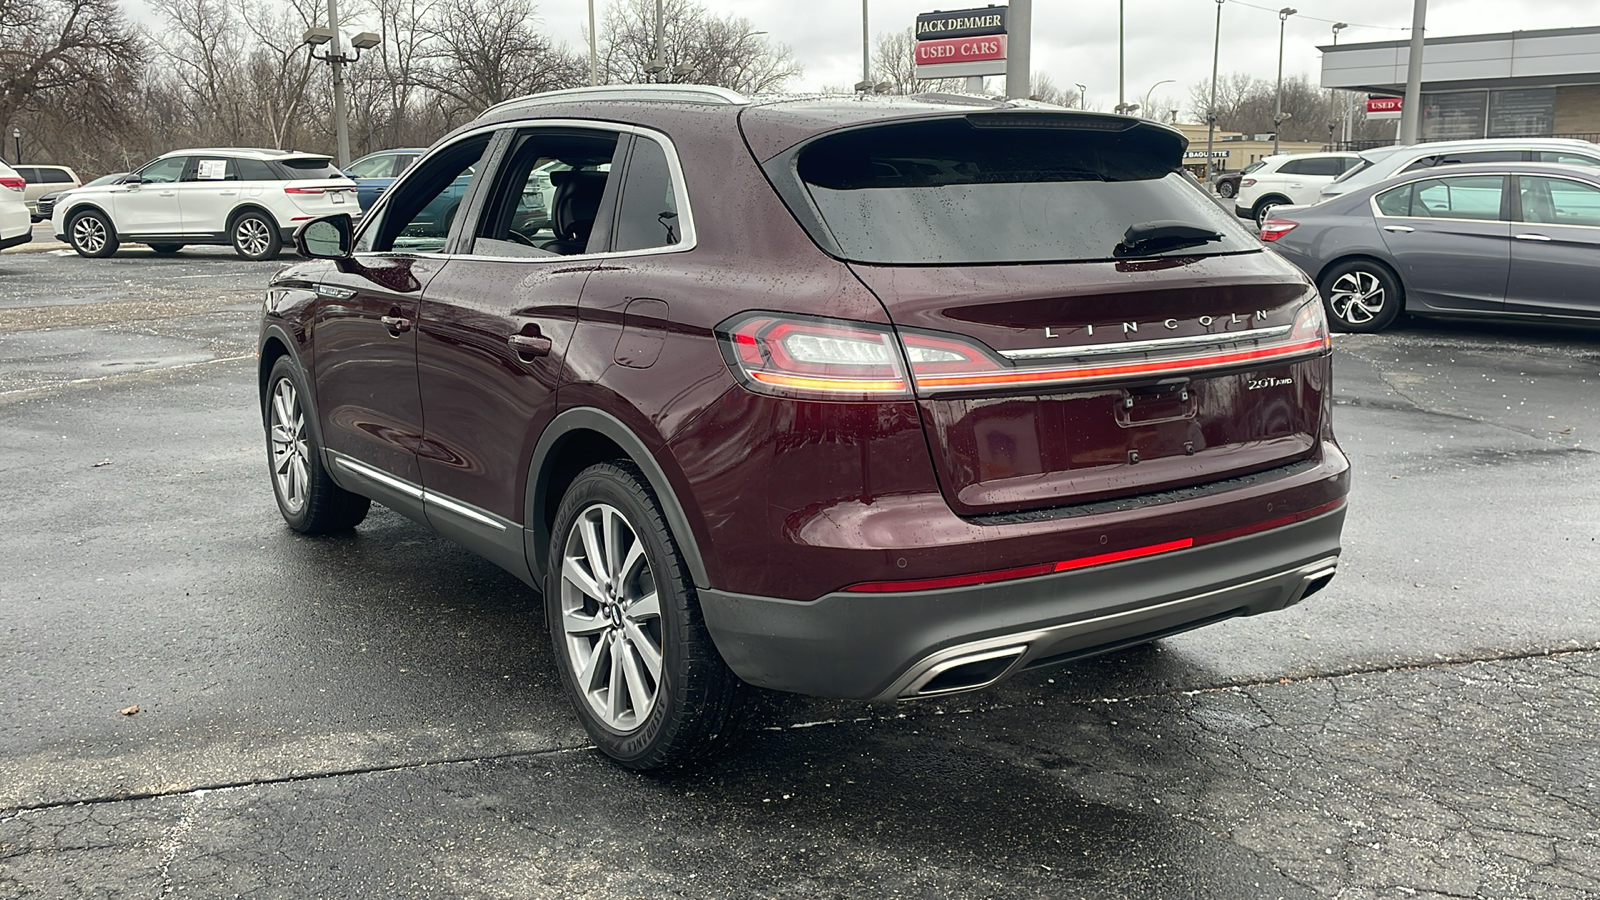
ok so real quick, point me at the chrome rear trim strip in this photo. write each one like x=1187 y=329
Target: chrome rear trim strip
x=1155 y=346
x=462 y=510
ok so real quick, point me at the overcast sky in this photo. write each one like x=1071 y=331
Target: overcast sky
x=1075 y=41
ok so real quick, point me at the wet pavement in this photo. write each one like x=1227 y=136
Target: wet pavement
x=379 y=715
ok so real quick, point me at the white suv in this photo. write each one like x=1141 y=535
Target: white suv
x=15 y=225
x=1288 y=179
x=251 y=199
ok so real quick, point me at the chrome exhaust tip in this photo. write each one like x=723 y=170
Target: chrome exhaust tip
x=968 y=672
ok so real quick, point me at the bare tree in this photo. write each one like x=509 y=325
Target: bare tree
x=483 y=52
x=696 y=45
x=51 y=48
x=894 y=62
x=1045 y=88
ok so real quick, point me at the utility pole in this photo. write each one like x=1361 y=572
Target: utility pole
x=1411 y=108
x=660 y=58
x=866 y=59
x=1278 y=117
x=341 y=116
x=1019 y=74
x=1122 y=101
x=1338 y=27
x=1211 y=111
x=594 y=59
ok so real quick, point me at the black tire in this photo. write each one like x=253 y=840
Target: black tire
x=255 y=236
x=91 y=234
x=698 y=704
x=165 y=249
x=1361 y=295
x=308 y=499
x=1226 y=190
x=1263 y=209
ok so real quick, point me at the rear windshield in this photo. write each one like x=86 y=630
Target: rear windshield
x=311 y=167
x=947 y=192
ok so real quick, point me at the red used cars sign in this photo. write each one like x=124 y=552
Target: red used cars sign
x=958 y=50
x=1383 y=104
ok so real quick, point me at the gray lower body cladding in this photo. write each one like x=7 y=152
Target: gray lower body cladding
x=885 y=646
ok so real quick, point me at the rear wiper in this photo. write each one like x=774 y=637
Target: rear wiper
x=1165 y=234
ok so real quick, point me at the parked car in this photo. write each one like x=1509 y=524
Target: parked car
x=1513 y=240
x=1382 y=163
x=1226 y=184
x=45 y=180
x=15 y=224
x=879 y=399
x=251 y=199
x=1289 y=178
x=46 y=204
x=374 y=172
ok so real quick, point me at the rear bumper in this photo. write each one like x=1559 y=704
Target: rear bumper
x=887 y=646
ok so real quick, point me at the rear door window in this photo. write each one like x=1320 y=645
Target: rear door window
x=210 y=168
x=55 y=176
x=952 y=192
x=1297 y=167
x=1559 y=201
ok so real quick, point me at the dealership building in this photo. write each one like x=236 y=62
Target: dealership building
x=1513 y=84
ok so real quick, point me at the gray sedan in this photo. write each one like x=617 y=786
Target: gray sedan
x=1518 y=240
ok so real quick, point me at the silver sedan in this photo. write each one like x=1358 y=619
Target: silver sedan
x=1518 y=240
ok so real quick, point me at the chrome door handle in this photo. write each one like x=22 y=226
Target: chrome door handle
x=1399 y=229
x=1533 y=237
x=528 y=345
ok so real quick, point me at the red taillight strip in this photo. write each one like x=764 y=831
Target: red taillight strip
x=13 y=182
x=1084 y=562
x=1056 y=375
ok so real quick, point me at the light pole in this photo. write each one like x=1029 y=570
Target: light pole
x=16 y=139
x=1083 y=96
x=658 y=57
x=1338 y=27
x=1211 y=110
x=594 y=58
x=335 y=56
x=865 y=85
x=1278 y=117
x=1152 y=90
x=1122 y=104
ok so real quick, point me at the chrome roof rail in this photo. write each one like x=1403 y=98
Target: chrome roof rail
x=670 y=93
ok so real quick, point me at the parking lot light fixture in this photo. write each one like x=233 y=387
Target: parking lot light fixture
x=16 y=137
x=1211 y=108
x=1278 y=117
x=336 y=57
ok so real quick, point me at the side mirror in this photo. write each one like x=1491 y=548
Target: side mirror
x=326 y=238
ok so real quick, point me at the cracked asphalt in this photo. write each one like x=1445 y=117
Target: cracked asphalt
x=379 y=715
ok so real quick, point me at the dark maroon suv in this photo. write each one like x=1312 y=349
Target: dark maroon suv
x=860 y=398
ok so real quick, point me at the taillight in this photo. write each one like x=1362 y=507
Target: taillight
x=305 y=190
x=827 y=359
x=1246 y=182
x=1311 y=324
x=834 y=359
x=13 y=182
x=1272 y=229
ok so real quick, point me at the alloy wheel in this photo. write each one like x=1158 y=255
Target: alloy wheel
x=1356 y=297
x=89 y=234
x=251 y=236
x=611 y=617
x=287 y=429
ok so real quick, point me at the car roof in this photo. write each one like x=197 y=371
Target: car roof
x=1587 y=173
x=246 y=153
x=772 y=124
x=1529 y=143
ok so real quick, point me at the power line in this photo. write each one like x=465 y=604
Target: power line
x=1316 y=19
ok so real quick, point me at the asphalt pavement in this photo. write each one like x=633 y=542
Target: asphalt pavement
x=379 y=714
